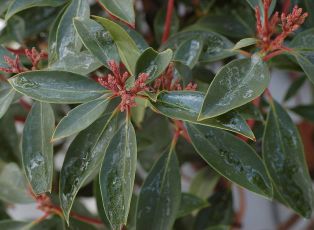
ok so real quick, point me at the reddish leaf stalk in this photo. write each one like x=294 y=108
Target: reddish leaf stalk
x=167 y=25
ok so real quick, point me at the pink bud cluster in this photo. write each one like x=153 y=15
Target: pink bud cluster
x=167 y=82
x=266 y=30
x=15 y=65
x=116 y=82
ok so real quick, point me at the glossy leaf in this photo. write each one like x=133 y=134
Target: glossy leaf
x=18 y=5
x=153 y=63
x=83 y=157
x=129 y=53
x=67 y=40
x=100 y=207
x=303 y=40
x=219 y=214
x=216 y=47
x=7 y=94
x=87 y=63
x=235 y=84
x=122 y=9
x=14 y=225
x=244 y=43
x=13 y=184
x=117 y=175
x=236 y=161
x=284 y=159
x=80 y=118
x=306 y=61
x=186 y=105
x=305 y=111
x=189 y=52
x=295 y=87
x=97 y=40
x=190 y=203
x=37 y=149
x=159 y=198
x=57 y=87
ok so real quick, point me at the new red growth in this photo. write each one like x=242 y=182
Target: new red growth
x=267 y=31
x=116 y=82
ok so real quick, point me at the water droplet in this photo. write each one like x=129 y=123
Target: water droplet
x=25 y=83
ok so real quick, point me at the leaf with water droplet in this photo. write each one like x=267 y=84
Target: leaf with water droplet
x=58 y=87
x=80 y=117
x=186 y=105
x=305 y=59
x=84 y=158
x=235 y=84
x=189 y=52
x=303 y=41
x=160 y=196
x=97 y=40
x=231 y=157
x=285 y=162
x=153 y=63
x=117 y=175
x=37 y=150
x=128 y=51
x=7 y=94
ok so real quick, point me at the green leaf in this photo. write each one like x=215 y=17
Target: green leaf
x=305 y=111
x=129 y=53
x=67 y=39
x=54 y=223
x=189 y=52
x=131 y=225
x=117 y=175
x=159 y=198
x=14 y=225
x=186 y=105
x=13 y=184
x=7 y=94
x=77 y=224
x=153 y=63
x=219 y=215
x=295 y=87
x=306 y=61
x=18 y=5
x=122 y=9
x=204 y=183
x=235 y=84
x=37 y=150
x=237 y=161
x=303 y=40
x=284 y=159
x=245 y=43
x=80 y=118
x=97 y=40
x=215 y=46
x=190 y=203
x=100 y=207
x=57 y=87
x=5 y=52
x=87 y=63
x=84 y=157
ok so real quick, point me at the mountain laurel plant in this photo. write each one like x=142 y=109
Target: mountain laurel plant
x=130 y=93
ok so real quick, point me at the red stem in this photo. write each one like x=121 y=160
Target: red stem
x=168 y=21
x=273 y=54
x=286 y=6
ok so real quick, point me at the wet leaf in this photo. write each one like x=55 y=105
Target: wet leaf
x=13 y=184
x=20 y=5
x=122 y=9
x=186 y=105
x=128 y=51
x=57 y=87
x=97 y=40
x=117 y=175
x=285 y=162
x=7 y=94
x=237 y=161
x=189 y=52
x=159 y=198
x=235 y=84
x=190 y=203
x=37 y=149
x=153 y=63
x=84 y=157
x=80 y=118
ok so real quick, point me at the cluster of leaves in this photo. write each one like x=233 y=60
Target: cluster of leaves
x=134 y=115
